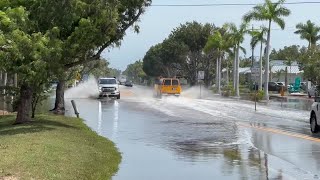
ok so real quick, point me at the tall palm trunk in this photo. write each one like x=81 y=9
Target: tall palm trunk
x=237 y=72
x=219 y=74
x=234 y=67
x=5 y=81
x=266 y=81
x=260 y=61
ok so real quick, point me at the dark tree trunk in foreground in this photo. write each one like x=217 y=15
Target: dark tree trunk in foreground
x=24 y=105
x=59 y=102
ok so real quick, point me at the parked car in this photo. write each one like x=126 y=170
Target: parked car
x=282 y=84
x=128 y=83
x=312 y=91
x=273 y=86
x=315 y=116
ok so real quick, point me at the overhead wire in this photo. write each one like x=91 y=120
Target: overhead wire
x=230 y=4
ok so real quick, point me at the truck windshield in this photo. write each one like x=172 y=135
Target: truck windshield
x=107 y=81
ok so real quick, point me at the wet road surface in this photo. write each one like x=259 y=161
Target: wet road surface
x=213 y=138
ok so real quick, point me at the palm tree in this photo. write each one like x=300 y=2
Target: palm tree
x=258 y=36
x=237 y=36
x=309 y=32
x=219 y=42
x=271 y=12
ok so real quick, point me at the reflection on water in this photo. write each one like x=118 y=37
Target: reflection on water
x=292 y=103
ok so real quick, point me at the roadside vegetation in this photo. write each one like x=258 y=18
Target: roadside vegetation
x=193 y=47
x=55 y=147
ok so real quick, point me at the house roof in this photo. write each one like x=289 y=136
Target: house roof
x=276 y=66
x=280 y=65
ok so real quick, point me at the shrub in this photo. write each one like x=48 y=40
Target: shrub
x=257 y=95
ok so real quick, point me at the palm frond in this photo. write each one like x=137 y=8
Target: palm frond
x=280 y=22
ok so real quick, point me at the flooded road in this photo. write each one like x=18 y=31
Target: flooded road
x=213 y=138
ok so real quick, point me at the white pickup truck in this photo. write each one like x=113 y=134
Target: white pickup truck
x=315 y=116
x=108 y=87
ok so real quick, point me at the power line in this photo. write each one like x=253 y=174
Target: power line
x=229 y=4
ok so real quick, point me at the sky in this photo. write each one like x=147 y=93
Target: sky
x=158 y=22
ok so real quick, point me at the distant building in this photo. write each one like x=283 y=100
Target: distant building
x=278 y=71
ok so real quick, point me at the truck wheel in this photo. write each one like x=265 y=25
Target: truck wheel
x=313 y=124
x=118 y=97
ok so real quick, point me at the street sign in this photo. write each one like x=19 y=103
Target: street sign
x=200 y=75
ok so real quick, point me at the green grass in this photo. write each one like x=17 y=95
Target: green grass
x=55 y=147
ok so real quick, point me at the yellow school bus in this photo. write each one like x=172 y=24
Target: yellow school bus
x=168 y=86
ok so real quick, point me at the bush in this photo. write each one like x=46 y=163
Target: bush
x=228 y=91
x=257 y=95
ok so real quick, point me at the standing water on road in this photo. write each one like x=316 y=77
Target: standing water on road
x=187 y=138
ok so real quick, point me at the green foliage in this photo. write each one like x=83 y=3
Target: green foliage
x=311 y=64
x=269 y=11
x=257 y=96
x=135 y=71
x=287 y=53
x=258 y=36
x=96 y=68
x=228 y=91
x=181 y=53
x=112 y=72
x=309 y=31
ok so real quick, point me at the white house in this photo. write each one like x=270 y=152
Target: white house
x=278 y=71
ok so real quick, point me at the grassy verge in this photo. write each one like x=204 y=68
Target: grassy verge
x=54 y=147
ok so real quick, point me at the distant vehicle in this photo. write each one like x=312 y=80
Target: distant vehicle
x=273 y=86
x=108 y=87
x=312 y=91
x=315 y=115
x=128 y=83
x=168 y=86
x=282 y=84
x=122 y=80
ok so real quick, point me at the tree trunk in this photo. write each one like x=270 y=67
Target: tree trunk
x=219 y=74
x=237 y=73
x=5 y=81
x=1 y=78
x=24 y=106
x=234 y=68
x=227 y=78
x=15 y=80
x=261 y=74
x=59 y=103
x=266 y=81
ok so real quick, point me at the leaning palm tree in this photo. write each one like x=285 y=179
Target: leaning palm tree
x=258 y=37
x=237 y=36
x=271 y=12
x=220 y=43
x=309 y=32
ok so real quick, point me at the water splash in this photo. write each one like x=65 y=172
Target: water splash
x=87 y=89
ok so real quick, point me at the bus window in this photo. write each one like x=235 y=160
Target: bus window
x=167 y=82
x=175 y=82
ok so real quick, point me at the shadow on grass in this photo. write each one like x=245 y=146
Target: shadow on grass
x=6 y=127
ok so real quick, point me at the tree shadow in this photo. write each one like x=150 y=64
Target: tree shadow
x=6 y=127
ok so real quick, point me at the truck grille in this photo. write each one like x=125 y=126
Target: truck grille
x=108 y=89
